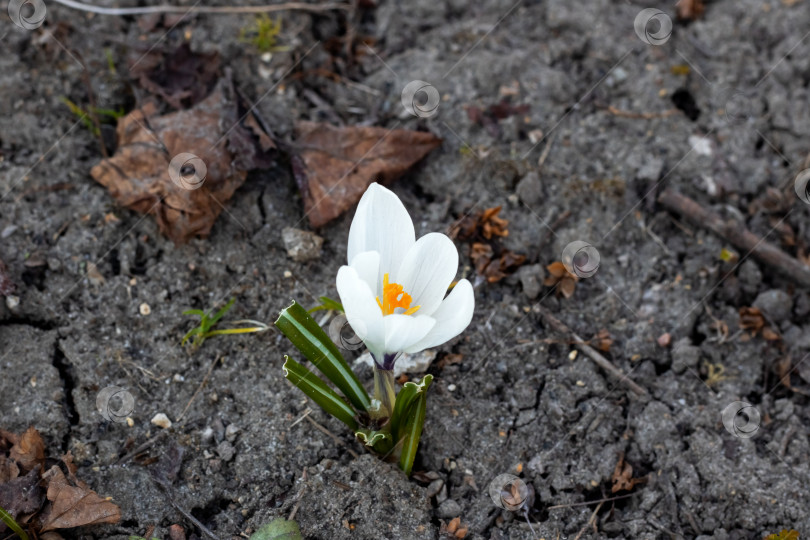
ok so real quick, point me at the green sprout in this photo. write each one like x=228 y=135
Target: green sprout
x=327 y=304
x=86 y=116
x=9 y=520
x=204 y=330
x=263 y=34
x=396 y=437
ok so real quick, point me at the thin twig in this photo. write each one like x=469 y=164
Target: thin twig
x=583 y=346
x=640 y=115
x=591 y=521
x=298 y=496
x=287 y=6
x=200 y=387
x=588 y=503
x=334 y=437
x=738 y=235
x=142 y=447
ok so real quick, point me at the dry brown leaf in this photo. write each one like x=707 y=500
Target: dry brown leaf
x=138 y=174
x=622 y=477
x=689 y=10
x=29 y=451
x=565 y=281
x=492 y=225
x=8 y=470
x=74 y=504
x=180 y=77
x=335 y=165
x=783 y=370
x=22 y=495
x=752 y=320
x=602 y=340
x=449 y=360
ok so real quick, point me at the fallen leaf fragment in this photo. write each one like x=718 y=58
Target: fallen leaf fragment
x=178 y=167
x=689 y=10
x=622 y=477
x=29 y=451
x=181 y=77
x=22 y=495
x=752 y=320
x=490 y=259
x=74 y=504
x=335 y=165
x=559 y=275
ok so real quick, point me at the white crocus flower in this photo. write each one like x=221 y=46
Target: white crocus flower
x=393 y=290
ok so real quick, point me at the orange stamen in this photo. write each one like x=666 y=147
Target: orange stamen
x=394 y=297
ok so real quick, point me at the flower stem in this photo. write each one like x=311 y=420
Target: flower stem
x=384 y=390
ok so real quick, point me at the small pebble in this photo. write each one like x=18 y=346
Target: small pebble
x=231 y=432
x=449 y=509
x=145 y=309
x=287 y=274
x=130 y=421
x=225 y=450
x=451 y=387
x=12 y=302
x=302 y=246
x=161 y=421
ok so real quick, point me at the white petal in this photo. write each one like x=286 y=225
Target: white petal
x=402 y=331
x=367 y=266
x=428 y=269
x=381 y=224
x=361 y=309
x=452 y=317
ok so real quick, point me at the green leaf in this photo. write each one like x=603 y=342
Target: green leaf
x=300 y=328
x=411 y=430
x=278 y=529
x=327 y=303
x=405 y=398
x=317 y=391
x=199 y=312
x=8 y=519
x=221 y=313
x=380 y=440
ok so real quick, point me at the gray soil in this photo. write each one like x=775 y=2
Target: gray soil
x=520 y=401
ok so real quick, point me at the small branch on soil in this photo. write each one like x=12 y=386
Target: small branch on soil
x=288 y=6
x=298 y=496
x=591 y=522
x=640 y=115
x=738 y=235
x=594 y=355
x=334 y=437
x=145 y=446
x=197 y=391
x=588 y=503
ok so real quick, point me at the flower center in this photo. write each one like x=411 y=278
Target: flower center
x=394 y=297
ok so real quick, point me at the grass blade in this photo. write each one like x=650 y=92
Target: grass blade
x=12 y=524
x=327 y=303
x=300 y=328
x=317 y=391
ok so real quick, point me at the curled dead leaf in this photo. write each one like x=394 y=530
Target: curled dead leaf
x=560 y=277
x=622 y=477
x=334 y=165
x=178 y=167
